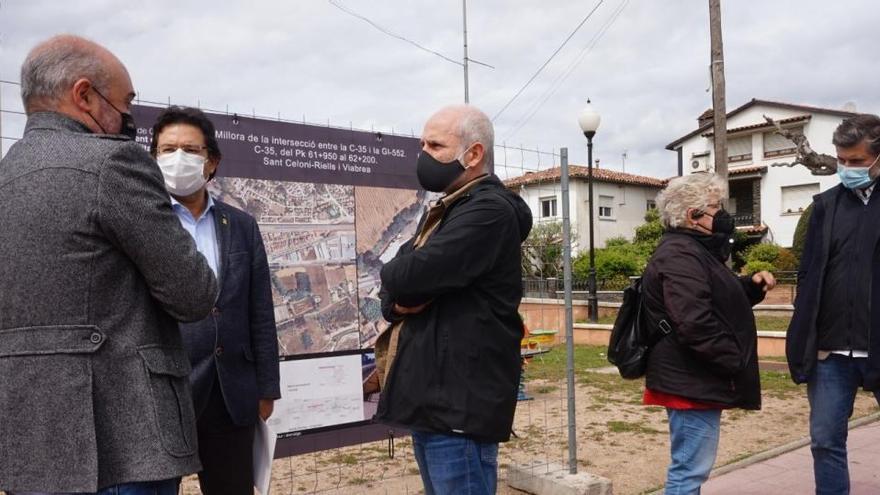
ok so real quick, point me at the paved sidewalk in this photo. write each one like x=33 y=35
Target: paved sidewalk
x=791 y=472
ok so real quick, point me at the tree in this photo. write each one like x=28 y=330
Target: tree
x=542 y=251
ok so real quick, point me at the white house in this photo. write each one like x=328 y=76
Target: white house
x=620 y=201
x=765 y=200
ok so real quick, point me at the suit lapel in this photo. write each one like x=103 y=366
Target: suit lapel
x=222 y=228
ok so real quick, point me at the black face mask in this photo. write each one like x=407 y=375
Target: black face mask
x=127 y=126
x=722 y=223
x=719 y=244
x=720 y=241
x=435 y=175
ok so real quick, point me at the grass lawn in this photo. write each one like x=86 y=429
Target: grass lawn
x=766 y=323
x=587 y=357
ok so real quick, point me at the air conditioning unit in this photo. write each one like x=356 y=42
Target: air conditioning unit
x=699 y=164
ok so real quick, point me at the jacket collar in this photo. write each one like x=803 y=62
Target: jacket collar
x=461 y=191
x=54 y=121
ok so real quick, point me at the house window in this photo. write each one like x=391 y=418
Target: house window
x=606 y=206
x=796 y=199
x=739 y=149
x=777 y=145
x=548 y=207
x=651 y=205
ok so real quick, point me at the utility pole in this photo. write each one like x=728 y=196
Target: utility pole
x=1 y=120
x=465 y=64
x=719 y=105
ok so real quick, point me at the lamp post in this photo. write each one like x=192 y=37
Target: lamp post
x=589 y=122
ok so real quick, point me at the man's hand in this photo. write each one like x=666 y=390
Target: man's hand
x=266 y=408
x=409 y=310
x=765 y=279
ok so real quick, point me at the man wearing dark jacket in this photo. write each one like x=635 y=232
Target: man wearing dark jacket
x=452 y=294
x=833 y=341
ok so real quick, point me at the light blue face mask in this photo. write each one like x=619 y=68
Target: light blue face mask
x=856 y=177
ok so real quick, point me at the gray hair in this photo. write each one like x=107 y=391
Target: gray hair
x=691 y=191
x=474 y=126
x=854 y=130
x=53 y=66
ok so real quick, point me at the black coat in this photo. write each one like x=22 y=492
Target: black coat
x=801 y=343
x=458 y=361
x=711 y=355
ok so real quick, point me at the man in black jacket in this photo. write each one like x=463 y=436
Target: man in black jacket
x=452 y=294
x=833 y=341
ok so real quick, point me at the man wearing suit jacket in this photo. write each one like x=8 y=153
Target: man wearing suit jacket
x=234 y=351
x=95 y=273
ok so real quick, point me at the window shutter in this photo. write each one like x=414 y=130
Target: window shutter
x=797 y=198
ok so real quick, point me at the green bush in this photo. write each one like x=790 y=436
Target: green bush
x=620 y=258
x=800 y=233
x=762 y=252
x=649 y=232
x=768 y=257
x=617 y=241
x=611 y=262
x=787 y=261
x=758 y=266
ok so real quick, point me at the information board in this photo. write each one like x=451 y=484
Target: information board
x=332 y=205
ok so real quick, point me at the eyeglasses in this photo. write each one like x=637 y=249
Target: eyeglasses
x=187 y=148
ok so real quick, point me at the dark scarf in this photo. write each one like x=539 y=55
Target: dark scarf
x=718 y=244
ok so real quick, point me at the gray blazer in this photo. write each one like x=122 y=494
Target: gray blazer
x=95 y=269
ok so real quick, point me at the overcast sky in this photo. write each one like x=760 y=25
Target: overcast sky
x=647 y=76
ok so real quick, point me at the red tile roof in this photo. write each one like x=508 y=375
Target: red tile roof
x=762 y=125
x=754 y=101
x=746 y=170
x=752 y=229
x=582 y=172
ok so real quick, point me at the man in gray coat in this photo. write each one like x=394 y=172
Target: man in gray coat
x=95 y=273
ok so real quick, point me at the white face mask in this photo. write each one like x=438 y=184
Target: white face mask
x=184 y=172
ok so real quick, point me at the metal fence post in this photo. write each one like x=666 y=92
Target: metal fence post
x=569 y=323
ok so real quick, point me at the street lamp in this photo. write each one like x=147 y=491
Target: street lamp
x=589 y=122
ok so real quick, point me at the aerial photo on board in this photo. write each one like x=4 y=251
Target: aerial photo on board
x=386 y=218
x=308 y=230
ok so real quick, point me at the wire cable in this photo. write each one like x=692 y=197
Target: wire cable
x=397 y=36
x=569 y=70
x=576 y=29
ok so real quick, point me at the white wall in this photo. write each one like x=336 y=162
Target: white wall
x=818 y=130
x=782 y=225
x=628 y=208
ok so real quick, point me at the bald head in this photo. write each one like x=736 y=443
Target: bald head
x=460 y=133
x=470 y=125
x=53 y=67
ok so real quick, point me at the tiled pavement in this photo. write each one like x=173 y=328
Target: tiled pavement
x=791 y=473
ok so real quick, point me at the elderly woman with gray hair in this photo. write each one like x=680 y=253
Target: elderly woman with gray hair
x=709 y=361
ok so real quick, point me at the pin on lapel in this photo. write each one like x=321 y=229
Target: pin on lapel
x=224 y=221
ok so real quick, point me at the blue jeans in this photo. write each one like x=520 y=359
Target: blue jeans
x=832 y=391
x=455 y=465
x=164 y=487
x=693 y=439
